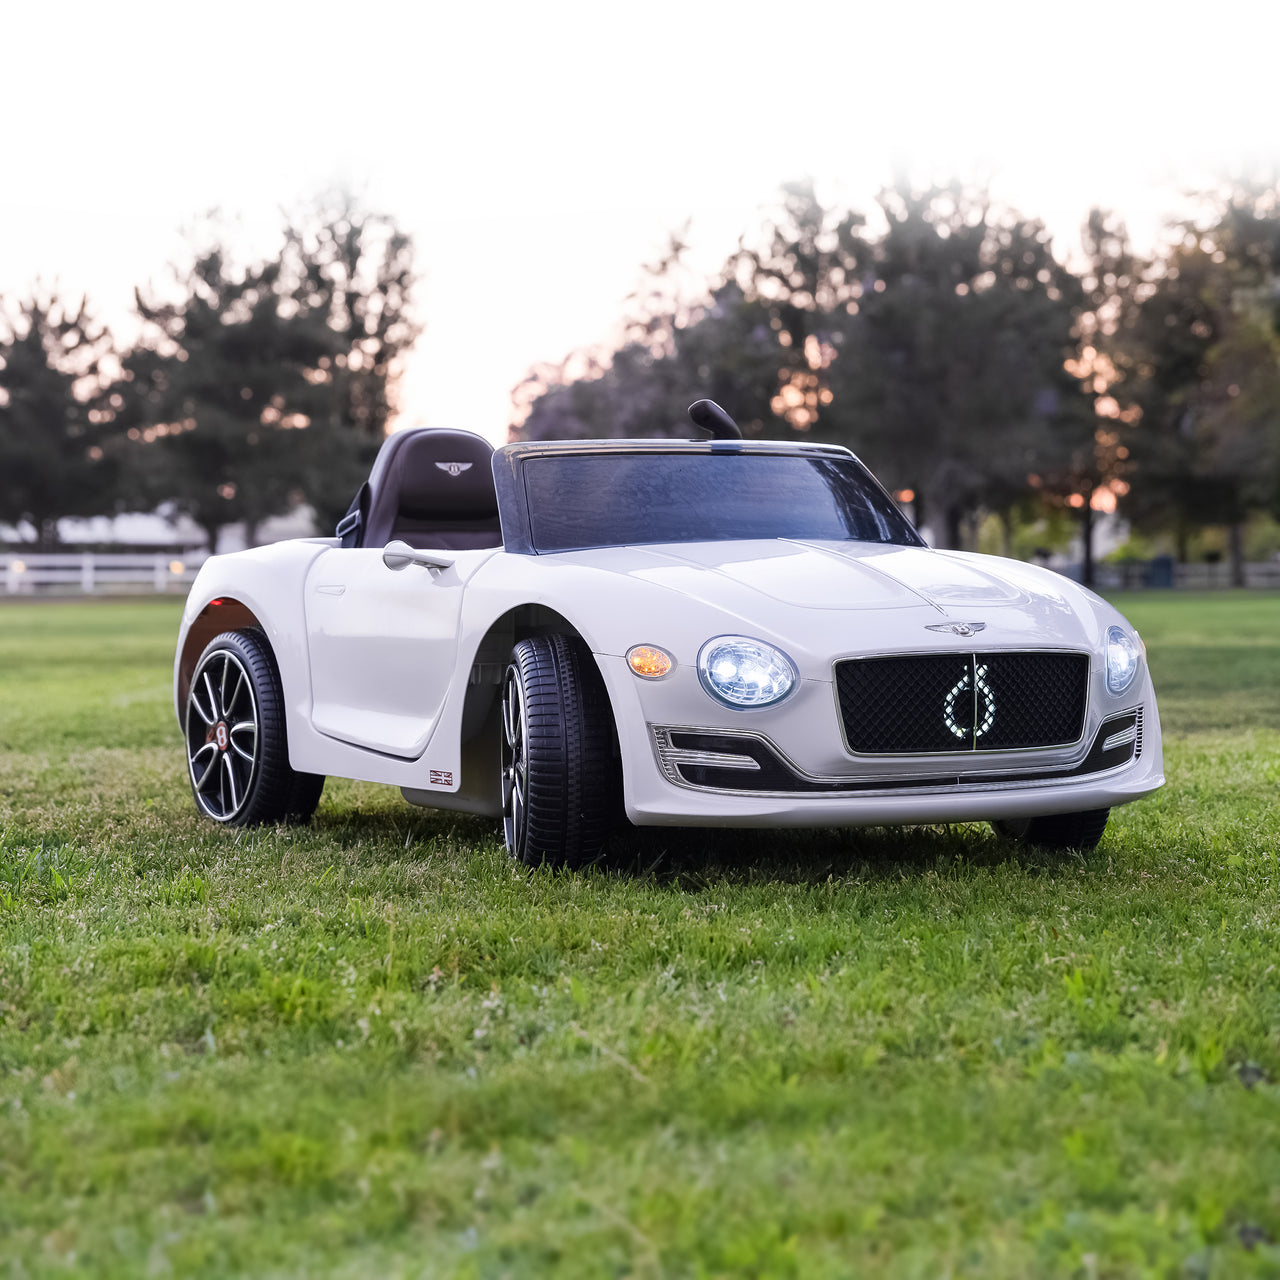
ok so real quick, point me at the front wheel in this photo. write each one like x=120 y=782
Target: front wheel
x=1057 y=830
x=560 y=780
x=237 y=752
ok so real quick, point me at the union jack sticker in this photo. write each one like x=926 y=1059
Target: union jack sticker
x=441 y=777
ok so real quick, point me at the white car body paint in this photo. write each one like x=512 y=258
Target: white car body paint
x=376 y=665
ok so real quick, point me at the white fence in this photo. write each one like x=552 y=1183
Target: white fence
x=1202 y=577
x=79 y=573
x=1186 y=577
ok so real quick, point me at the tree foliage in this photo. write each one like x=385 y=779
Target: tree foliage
x=354 y=270
x=675 y=350
x=254 y=388
x=221 y=394
x=947 y=342
x=1205 y=374
x=941 y=337
x=53 y=416
x=935 y=347
x=726 y=351
x=950 y=370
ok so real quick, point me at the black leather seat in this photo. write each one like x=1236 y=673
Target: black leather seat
x=429 y=487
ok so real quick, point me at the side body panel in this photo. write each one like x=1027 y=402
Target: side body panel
x=383 y=645
x=272 y=583
x=269 y=582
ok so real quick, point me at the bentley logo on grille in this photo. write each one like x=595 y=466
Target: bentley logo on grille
x=454 y=468
x=982 y=691
x=952 y=628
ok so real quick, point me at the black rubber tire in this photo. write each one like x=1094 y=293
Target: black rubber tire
x=561 y=781
x=304 y=796
x=1058 y=830
x=237 y=749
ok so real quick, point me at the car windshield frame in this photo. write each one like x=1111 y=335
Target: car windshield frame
x=682 y=503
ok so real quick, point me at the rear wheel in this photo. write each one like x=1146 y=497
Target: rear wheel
x=237 y=752
x=560 y=780
x=1057 y=830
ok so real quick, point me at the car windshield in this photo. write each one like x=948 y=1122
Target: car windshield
x=578 y=501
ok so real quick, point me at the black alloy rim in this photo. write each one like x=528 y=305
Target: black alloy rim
x=515 y=763
x=222 y=735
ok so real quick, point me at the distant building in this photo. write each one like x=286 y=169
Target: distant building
x=159 y=531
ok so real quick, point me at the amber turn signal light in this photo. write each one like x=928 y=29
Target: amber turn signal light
x=649 y=661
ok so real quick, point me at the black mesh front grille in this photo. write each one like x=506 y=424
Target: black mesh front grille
x=1041 y=699
x=896 y=704
x=963 y=701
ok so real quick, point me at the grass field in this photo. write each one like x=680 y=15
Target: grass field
x=374 y=1046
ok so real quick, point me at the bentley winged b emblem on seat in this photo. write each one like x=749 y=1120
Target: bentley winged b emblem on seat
x=454 y=468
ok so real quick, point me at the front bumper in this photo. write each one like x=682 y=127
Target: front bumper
x=828 y=786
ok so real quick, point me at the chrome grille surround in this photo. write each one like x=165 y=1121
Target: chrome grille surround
x=943 y=703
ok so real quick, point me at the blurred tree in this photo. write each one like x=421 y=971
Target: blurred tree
x=221 y=393
x=1238 y=428
x=937 y=348
x=354 y=268
x=54 y=416
x=675 y=351
x=808 y=276
x=727 y=353
x=972 y=368
x=951 y=369
x=1091 y=477
x=257 y=388
x=1205 y=373
x=1178 y=322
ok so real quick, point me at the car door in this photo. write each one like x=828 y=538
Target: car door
x=382 y=645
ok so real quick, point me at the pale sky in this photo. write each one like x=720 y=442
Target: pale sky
x=540 y=152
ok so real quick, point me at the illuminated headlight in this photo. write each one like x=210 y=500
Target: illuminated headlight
x=1124 y=656
x=745 y=673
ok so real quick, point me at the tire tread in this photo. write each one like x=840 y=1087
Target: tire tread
x=572 y=779
x=1081 y=830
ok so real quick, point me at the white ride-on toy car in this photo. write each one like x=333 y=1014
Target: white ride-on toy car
x=714 y=632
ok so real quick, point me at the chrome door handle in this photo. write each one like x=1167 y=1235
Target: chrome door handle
x=400 y=555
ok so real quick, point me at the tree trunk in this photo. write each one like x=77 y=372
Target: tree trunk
x=953 y=518
x=1086 y=541
x=1235 y=543
x=47 y=538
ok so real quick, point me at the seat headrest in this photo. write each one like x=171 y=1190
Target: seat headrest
x=443 y=473
x=429 y=482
